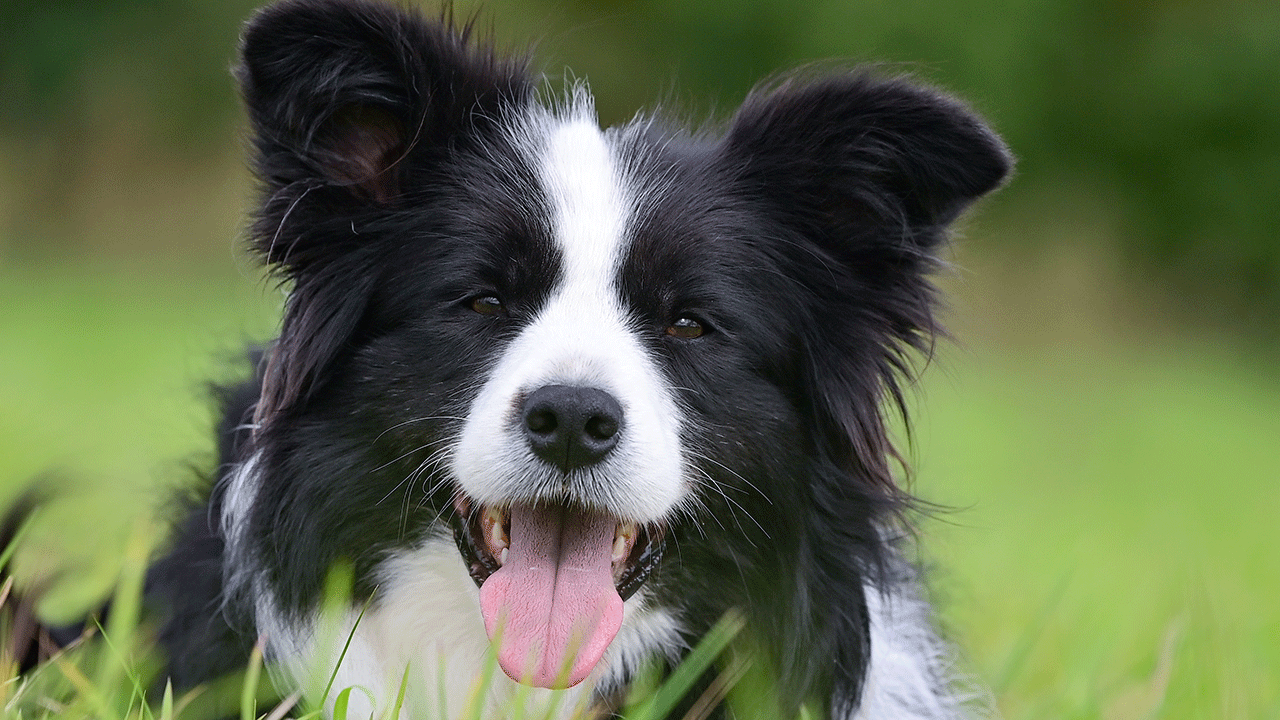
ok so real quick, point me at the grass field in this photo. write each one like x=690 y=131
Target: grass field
x=1112 y=552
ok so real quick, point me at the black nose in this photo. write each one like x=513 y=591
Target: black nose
x=571 y=427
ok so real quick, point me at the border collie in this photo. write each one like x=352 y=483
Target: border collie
x=572 y=392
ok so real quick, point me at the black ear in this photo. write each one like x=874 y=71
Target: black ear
x=852 y=157
x=354 y=105
x=860 y=177
x=344 y=94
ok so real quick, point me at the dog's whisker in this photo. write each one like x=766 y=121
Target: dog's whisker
x=407 y=478
x=397 y=459
x=721 y=490
x=412 y=421
x=731 y=471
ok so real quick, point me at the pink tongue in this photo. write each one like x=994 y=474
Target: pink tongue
x=554 y=596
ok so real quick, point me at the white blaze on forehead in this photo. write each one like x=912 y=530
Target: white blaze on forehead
x=582 y=331
x=581 y=336
x=590 y=206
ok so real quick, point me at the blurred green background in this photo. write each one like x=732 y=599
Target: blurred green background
x=1107 y=429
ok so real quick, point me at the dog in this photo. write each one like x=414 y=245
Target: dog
x=568 y=396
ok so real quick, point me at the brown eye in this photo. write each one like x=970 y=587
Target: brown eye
x=685 y=328
x=487 y=305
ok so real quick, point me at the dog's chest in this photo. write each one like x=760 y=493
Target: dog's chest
x=426 y=633
x=428 y=621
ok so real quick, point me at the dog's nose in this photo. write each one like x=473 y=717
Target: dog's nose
x=571 y=427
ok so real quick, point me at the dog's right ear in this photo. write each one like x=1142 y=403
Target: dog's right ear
x=343 y=94
x=354 y=105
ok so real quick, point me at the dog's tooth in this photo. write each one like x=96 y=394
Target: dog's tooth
x=623 y=539
x=502 y=557
x=492 y=515
x=495 y=534
x=619 y=548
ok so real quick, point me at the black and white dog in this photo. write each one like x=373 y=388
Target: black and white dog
x=576 y=392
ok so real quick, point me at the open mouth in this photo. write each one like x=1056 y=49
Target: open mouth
x=552 y=582
x=483 y=535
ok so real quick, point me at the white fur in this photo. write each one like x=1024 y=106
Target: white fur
x=911 y=674
x=582 y=336
x=240 y=495
x=427 y=618
x=241 y=492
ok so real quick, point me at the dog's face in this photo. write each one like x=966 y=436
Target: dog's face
x=633 y=362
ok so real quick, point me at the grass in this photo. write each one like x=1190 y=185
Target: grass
x=1118 y=557
x=1112 y=554
x=112 y=672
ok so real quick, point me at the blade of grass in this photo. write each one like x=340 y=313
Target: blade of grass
x=562 y=678
x=138 y=706
x=1159 y=685
x=126 y=607
x=340 y=704
x=284 y=706
x=189 y=697
x=342 y=655
x=87 y=692
x=404 y=685
x=1017 y=658
x=719 y=689
x=130 y=668
x=660 y=704
x=475 y=706
x=166 y=703
x=18 y=535
x=337 y=595
x=5 y=590
x=520 y=702
x=249 y=691
x=643 y=685
x=441 y=688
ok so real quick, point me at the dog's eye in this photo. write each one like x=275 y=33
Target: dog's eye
x=487 y=305
x=686 y=328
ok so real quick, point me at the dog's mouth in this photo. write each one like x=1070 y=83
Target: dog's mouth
x=552 y=582
x=483 y=535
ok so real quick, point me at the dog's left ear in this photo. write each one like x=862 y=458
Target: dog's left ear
x=861 y=177
x=852 y=158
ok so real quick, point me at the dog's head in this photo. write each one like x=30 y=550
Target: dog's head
x=577 y=346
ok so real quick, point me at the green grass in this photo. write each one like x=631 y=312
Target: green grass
x=1119 y=554
x=113 y=672
x=1113 y=553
